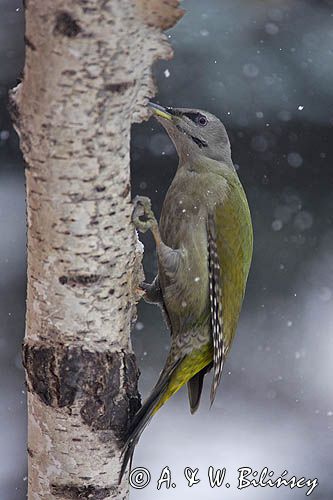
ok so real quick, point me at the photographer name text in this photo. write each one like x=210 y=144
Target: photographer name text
x=246 y=477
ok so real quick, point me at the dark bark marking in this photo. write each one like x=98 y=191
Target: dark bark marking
x=66 y=25
x=60 y=375
x=131 y=376
x=100 y=189
x=79 y=279
x=40 y=362
x=68 y=72
x=126 y=190
x=103 y=410
x=119 y=88
x=29 y=43
x=75 y=492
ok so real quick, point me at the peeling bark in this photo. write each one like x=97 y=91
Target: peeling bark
x=87 y=77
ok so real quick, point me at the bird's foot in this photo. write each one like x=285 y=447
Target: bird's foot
x=142 y=208
x=140 y=293
x=143 y=291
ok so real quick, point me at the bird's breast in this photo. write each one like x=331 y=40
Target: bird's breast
x=186 y=297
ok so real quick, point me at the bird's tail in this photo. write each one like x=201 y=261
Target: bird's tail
x=143 y=416
x=175 y=374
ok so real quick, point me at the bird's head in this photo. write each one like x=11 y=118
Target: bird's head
x=194 y=132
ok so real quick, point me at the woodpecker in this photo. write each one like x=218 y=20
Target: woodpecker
x=204 y=244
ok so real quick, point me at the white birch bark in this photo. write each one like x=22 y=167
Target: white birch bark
x=87 y=77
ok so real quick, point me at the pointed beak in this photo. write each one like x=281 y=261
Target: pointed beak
x=160 y=111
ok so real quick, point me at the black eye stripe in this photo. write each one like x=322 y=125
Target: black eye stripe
x=196 y=118
x=193 y=116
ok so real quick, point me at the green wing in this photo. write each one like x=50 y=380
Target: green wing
x=230 y=244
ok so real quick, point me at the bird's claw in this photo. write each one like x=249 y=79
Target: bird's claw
x=142 y=289
x=142 y=208
x=140 y=292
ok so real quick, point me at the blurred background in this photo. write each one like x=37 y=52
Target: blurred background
x=266 y=69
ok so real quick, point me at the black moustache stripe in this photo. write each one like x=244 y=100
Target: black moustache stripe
x=199 y=142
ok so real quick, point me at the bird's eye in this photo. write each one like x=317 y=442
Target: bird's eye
x=202 y=120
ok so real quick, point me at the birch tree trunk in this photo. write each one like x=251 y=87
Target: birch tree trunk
x=87 y=77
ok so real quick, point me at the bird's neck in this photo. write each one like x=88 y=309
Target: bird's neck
x=190 y=154
x=187 y=153
x=197 y=162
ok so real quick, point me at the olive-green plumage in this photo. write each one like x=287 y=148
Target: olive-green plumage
x=204 y=248
x=207 y=188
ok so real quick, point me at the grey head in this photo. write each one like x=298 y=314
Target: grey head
x=194 y=132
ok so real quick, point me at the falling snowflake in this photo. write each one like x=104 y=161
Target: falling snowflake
x=303 y=220
x=277 y=225
x=294 y=159
x=250 y=70
x=272 y=28
x=139 y=326
x=4 y=134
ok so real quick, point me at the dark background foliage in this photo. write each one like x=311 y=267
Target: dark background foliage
x=266 y=69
